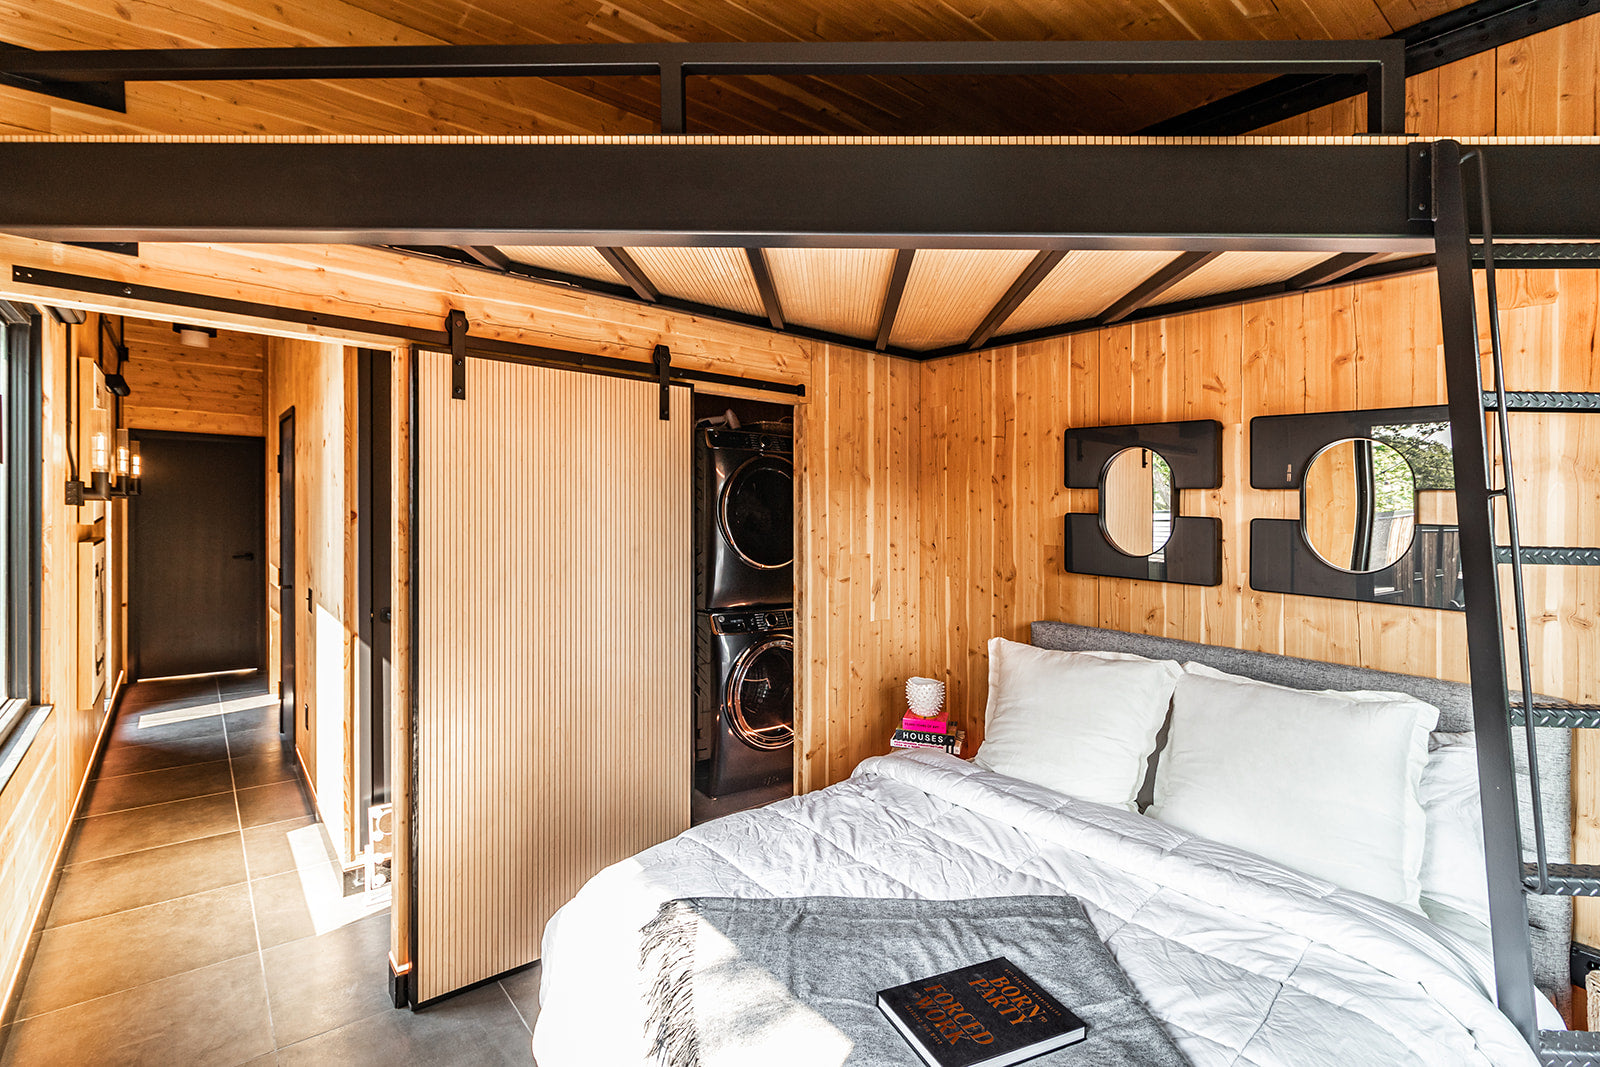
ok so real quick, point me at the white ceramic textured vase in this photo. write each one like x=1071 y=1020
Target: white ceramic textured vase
x=924 y=696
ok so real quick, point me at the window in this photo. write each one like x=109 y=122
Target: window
x=19 y=514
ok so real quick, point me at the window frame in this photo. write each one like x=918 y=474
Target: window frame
x=20 y=480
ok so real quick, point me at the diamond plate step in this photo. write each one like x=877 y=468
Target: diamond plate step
x=1571 y=716
x=1545 y=556
x=1569 y=1048
x=1566 y=879
x=1545 y=401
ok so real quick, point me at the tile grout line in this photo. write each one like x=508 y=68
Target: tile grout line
x=232 y=788
x=514 y=1007
x=255 y=921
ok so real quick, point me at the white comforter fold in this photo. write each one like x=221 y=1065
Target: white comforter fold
x=1244 y=961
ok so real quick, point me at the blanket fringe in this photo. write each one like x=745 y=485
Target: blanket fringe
x=667 y=950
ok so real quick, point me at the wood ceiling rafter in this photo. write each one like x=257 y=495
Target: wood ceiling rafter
x=629 y=271
x=1034 y=273
x=1158 y=283
x=892 y=297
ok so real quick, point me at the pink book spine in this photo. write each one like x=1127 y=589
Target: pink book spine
x=931 y=726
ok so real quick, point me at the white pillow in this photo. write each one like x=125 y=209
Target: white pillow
x=1453 y=871
x=1324 y=782
x=1081 y=723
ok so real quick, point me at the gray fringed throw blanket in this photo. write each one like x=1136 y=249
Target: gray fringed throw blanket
x=738 y=982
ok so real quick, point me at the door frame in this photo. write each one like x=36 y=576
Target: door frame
x=288 y=674
x=132 y=628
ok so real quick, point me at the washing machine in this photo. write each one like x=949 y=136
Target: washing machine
x=744 y=519
x=744 y=698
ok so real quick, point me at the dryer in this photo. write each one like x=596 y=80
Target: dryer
x=744 y=698
x=744 y=519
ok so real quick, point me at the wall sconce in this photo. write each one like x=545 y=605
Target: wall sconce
x=99 y=487
x=127 y=466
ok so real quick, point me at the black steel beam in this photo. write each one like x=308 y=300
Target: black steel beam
x=747 y=58
x=892 y=296
x=1376 y=65
x=1034 y=273
x=769 y=292
x=108 y=94
x=1158 y=283
x=1428 y=45
x=628 y=270
x=1039 y=196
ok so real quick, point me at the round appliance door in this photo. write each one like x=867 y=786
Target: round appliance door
x=760 y=694
x=756 y=512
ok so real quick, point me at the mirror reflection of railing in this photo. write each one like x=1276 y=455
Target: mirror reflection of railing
x=1136 y=502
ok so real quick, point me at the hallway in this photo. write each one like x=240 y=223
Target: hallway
x=201 y=916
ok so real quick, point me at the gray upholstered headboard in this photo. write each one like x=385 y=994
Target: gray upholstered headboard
x=1549 y=917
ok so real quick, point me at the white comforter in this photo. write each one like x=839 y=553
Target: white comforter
x=1244 y=962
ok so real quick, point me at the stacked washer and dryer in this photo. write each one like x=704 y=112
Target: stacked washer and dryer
x=744 y=600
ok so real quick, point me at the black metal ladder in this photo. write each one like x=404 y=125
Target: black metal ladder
x=1495 y=710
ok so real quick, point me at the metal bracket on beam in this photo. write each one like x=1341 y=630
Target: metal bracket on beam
x=455 y=325
x=661 y=359
x=1419 y=183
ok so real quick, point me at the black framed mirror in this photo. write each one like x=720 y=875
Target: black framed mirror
x=1377 y=507
x=1137 y=530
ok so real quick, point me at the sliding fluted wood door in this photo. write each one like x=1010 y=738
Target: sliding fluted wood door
x=552 y=648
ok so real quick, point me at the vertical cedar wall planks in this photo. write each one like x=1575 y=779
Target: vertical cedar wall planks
x=553 y=637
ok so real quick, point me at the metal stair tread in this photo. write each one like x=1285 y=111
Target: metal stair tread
x=1565 y=879
x=1550 y=555
x=1544 y=400
x=1556 y=713
x=1569 y=1048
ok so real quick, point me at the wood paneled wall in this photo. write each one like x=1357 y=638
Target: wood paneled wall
x=38 y=802
x=173 y=386
x=318 y=380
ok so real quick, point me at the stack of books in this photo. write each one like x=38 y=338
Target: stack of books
x=917 y=732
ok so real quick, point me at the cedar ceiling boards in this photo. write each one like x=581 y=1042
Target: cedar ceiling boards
x=836 y=289
x=834 y=104
x=1241 y=270
x=949 y=292
x=720 y=277
x=1083 y=285
x=583 y=262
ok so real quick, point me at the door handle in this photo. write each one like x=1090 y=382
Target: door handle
x=308 y=598
x=244 y=555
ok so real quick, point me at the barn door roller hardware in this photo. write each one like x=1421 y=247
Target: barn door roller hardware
x=455 y=325
x=453 y=339
x=661 y=359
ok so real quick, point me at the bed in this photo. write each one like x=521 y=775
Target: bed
x=1243 y=960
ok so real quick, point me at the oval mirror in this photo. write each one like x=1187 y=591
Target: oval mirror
x=1136 y=502
x=1358 y=506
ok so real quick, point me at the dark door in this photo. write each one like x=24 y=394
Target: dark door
x=197 y=596
x=373 y=511
x=286 y=565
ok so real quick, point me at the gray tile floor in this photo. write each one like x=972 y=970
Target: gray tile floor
x=200 y=917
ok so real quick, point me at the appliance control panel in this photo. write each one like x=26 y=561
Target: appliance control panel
x=782 y=444
x=751 y=622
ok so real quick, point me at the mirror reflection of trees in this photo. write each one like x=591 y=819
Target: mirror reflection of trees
x=1359 y=505
x=1136 y=502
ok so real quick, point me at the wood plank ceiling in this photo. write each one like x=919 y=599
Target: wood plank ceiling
x=937 y=301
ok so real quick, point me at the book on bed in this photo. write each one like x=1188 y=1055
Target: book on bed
x=988 y=1014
